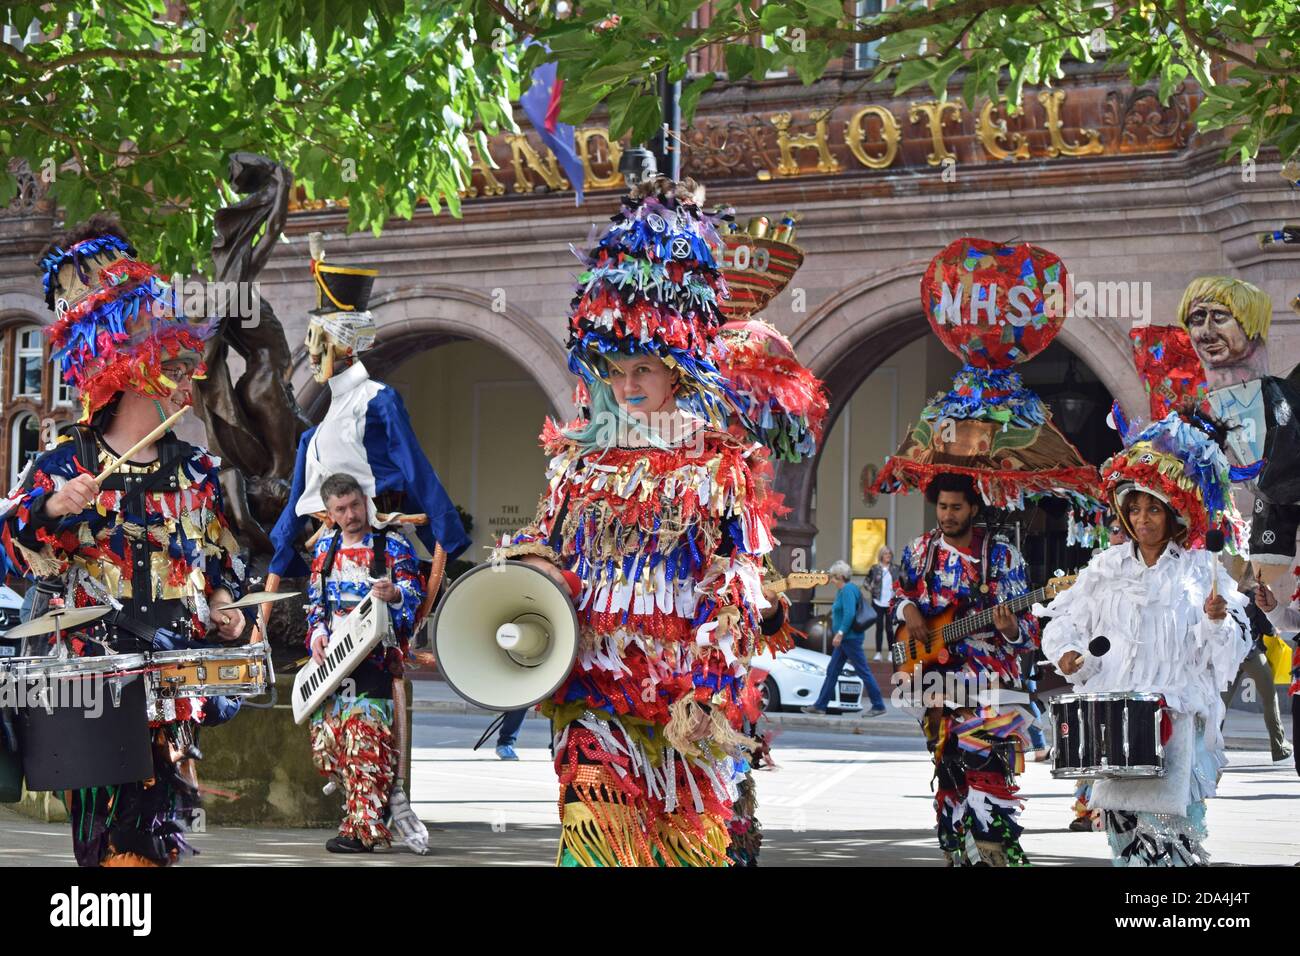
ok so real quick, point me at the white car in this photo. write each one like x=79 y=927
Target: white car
x=794 y=679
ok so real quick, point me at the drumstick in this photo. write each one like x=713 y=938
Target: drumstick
x=148 y=439
x=272 y=584
x=1214 y=541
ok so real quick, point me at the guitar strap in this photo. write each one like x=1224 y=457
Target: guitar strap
x=981 y=574
x=378 y=560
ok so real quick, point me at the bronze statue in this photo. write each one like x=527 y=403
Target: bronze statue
x=253 y=424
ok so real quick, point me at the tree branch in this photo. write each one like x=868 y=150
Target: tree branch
x=961 y=34
x=893 y=24
x=70 y=141
x=508 y=15
x=1203 y=44
x=98 y=53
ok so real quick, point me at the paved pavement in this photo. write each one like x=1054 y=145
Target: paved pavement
x=1242 y=731
x=836 y=799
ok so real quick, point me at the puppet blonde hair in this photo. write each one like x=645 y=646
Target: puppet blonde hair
x=1250 y=305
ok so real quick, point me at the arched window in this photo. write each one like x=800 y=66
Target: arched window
x=24 y=444
x=29 y=395
x=29 y=355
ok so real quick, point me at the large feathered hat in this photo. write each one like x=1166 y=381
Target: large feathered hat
x=994 y=306
x=778 y=400
x=652 y=287
x=116 y=320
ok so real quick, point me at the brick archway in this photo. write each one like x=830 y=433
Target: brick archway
x=20 y=309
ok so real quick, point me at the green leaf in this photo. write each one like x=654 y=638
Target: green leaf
x=913 y=73
x=647 y=117
x=762 y=63
x=620 y=111
x=8 y=187
x=942 y=71
x=691 y=94
x=774 y=16
x=740 y=61
x=579 y=102
x=824 y=9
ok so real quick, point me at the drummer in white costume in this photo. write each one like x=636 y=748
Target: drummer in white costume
x=1168 y=633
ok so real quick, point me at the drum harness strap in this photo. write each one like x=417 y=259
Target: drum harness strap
x=170 y=451
x=378 y=560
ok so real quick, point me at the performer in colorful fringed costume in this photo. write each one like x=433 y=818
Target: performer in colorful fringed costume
x=1168 y=633
x=352 y=736
x=978 y=748
x=660 y=519
x=151 y=540
x=988 y=442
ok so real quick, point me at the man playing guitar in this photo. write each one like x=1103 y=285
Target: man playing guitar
x=976 y=755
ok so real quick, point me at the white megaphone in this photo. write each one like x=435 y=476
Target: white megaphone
x=505 y=636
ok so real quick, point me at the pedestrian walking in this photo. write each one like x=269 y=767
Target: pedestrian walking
x=847 y=639
x=880 y=585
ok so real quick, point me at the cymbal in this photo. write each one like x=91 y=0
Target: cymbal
x=60 y=619
x=261 y=597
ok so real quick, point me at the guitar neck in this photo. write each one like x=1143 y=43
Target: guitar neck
x=983 y=621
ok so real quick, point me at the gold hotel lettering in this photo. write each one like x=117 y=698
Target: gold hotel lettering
x=855 y=135
x=788 y=143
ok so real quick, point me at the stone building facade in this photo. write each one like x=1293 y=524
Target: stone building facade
x=471 y=310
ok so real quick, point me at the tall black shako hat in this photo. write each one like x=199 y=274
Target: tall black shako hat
x=342 y=288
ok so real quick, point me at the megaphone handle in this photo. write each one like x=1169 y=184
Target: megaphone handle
x=433 y=585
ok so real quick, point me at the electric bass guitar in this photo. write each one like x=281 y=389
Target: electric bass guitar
x=797 y=581
x=944 y=630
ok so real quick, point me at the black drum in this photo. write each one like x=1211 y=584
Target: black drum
x=1102 y=736
x=84 y=722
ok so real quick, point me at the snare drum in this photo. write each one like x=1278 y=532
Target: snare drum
x=83 y=722
x=209 y=672
x=1104 y=736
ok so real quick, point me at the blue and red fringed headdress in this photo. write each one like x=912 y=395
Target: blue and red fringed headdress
x=116 y=321
x=651 y=286
x=1180 y=460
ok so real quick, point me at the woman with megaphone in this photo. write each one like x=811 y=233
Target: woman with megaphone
x=657 y=519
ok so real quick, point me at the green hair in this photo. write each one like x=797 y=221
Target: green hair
x=608 y=421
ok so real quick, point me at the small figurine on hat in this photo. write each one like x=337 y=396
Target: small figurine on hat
x=778 y=400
